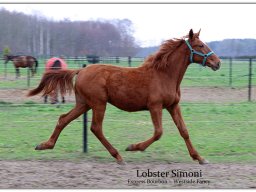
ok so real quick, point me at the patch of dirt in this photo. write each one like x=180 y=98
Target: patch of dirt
x=217 y=94
x=87 y=174
x=20 y=96
x=194 y=94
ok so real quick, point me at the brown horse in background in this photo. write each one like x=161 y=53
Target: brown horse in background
x=153 y=86
x=23 y=62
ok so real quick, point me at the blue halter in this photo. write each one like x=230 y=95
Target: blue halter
x=192 y=52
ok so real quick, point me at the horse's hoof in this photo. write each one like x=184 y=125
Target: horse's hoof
x=129 y=148
x=38 y=147
x=121 y=162
x=203 y=162
x=43 y=147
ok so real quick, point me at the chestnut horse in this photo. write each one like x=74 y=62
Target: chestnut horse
x=153 y=86
x=22 y=61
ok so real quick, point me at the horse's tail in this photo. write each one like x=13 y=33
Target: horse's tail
x=62 y=79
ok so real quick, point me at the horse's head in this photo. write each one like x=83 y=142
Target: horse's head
x=7 y=58
x=200 y=53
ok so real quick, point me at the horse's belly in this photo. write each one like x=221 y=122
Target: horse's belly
x=128 y=101
x=129 y=106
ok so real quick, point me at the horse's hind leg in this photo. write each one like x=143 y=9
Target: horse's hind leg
x=63 y=98
x=17 y=70
x=156 y=116
x=64 y=120
x=32 y=71
x=45 y=98
x=96 y=128
x=178 y=120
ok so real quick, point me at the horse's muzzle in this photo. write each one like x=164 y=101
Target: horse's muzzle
x=216 y=66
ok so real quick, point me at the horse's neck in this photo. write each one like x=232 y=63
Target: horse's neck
x=178 y=64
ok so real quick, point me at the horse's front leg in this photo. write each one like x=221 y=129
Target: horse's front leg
x=178 y=120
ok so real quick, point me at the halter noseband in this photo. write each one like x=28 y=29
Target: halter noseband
x=192 y=52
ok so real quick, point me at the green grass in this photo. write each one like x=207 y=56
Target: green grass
x=198 y=76
x=220 y=132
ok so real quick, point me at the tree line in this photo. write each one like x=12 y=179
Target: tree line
x=39 y=36
x=234 y=47
x=242 y=48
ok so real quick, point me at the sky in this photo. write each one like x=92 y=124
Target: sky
x=154 y=23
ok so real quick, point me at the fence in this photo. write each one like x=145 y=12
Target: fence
x=235 y=73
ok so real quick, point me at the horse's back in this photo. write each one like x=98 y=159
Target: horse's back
x=23 y=61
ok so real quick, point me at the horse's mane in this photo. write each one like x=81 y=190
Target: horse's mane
x=159 y=60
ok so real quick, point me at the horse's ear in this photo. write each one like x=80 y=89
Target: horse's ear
x=199 y=32
x=191 y=34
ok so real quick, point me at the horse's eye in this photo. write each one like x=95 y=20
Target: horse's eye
x=201 y=46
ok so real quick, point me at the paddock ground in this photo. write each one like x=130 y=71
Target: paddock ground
x=194 y=94
x=85 y=174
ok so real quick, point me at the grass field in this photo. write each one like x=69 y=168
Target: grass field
x=220 y=132
x=196 y=75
